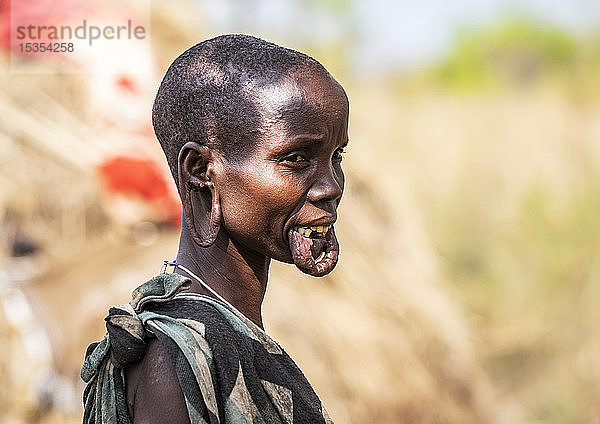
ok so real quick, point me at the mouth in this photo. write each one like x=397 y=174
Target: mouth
x=315 y=249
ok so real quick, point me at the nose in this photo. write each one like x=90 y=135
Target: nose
x=327 y=188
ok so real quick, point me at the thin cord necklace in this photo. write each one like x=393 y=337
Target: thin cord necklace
x=202 y=283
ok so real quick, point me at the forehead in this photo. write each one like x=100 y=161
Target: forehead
x=305 y=99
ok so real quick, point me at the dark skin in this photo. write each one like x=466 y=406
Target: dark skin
x=246 y=208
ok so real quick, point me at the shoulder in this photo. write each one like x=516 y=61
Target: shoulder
x=158 y=386
x=155 y=385
x=154 y=394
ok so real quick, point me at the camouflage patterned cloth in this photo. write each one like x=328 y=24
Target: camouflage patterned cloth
x=229 y=369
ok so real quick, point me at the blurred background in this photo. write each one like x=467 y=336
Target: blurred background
x=468 y=287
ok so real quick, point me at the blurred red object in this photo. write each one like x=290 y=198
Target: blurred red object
x=143 y=180
x=38 y=12
x=4 y=24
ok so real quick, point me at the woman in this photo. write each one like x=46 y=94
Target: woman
x=254 y=135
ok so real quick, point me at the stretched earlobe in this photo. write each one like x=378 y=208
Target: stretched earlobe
x=195 y=187
x=214 y=220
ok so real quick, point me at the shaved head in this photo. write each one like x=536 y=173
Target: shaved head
x=214 y=93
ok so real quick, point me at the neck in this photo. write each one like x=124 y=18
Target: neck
x=239 y=276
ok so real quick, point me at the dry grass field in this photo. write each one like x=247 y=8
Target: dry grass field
x=505 y=188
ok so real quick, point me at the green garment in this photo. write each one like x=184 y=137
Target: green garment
x=229 y=369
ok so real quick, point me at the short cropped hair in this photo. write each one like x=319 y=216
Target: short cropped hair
x=208 y=93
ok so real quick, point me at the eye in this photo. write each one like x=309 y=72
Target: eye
x=295 y=158
x=338 y=154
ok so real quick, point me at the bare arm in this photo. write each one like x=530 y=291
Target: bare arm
x=154 y=395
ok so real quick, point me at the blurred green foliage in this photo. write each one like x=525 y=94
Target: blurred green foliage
x=336 y=6
x=516 y=52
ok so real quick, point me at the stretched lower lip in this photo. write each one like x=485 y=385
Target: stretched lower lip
x=317 y=258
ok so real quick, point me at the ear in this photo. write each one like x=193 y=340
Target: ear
x=193 y=165
x=200 y=199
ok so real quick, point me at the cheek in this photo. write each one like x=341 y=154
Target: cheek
x=257 y=200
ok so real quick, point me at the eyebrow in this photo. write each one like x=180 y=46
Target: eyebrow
x=306 y=140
